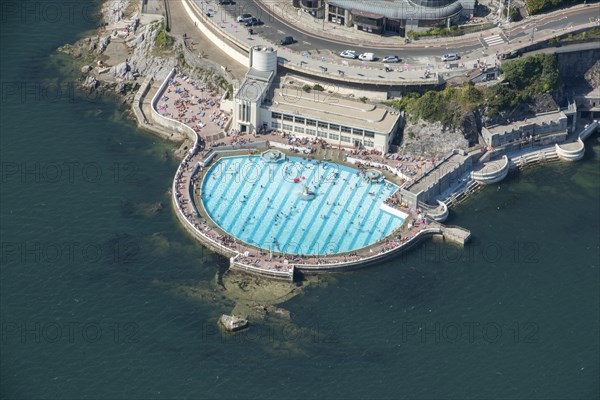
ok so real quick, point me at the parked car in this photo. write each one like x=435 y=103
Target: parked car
x=510 y=54
x=450 y=57
x=244 y=17
x=287 y=40
x=391 y=59
x=348 y=54
x=367 y=57
x=253 y=21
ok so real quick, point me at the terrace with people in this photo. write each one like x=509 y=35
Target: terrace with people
x=196 y=105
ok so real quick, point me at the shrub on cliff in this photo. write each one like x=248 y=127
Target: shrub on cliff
x=163 y=40
x=523 y=79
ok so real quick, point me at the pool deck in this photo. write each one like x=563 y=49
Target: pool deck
x=195 y=105
x=183 y=101
x=284 y=266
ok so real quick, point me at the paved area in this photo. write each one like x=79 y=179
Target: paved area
x=325 y=63
x=186 y=180
x=181 y=23
x=194 y=105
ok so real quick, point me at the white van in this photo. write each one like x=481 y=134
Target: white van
x=366 y=57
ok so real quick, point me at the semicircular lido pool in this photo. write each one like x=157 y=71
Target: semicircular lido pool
x=262 y=204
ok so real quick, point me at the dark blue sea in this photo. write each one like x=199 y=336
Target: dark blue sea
x=95 y=286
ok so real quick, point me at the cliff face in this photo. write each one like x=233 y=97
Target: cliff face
x=430 y=140
x=471 y=127
x=592 y=76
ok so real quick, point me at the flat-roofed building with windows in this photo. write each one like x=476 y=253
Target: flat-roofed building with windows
x=549 y=127
x=339 y=121
x=316 y=114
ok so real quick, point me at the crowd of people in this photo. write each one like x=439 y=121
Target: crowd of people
x=188 y=175
x=193 y=104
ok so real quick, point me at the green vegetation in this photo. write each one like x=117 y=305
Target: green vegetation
x=163 y=40
x=363 y=99
x=447 y=106
x=306 y=88
x=515 y=14
x=523 y=78
x=454 y=30
x=592 y=34
x=538 y=6
x=318 y=88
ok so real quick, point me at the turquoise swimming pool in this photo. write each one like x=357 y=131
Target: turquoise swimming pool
x=261 y=204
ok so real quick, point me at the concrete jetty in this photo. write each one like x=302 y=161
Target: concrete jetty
x=456 y=234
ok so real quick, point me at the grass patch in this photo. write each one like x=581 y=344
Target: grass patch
x=443 y=31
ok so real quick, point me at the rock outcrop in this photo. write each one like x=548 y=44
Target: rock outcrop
x=432 y=139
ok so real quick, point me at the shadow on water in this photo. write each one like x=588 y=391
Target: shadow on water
x=223 y=268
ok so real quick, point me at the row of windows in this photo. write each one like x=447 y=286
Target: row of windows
x=312 y=132
x=322 y=125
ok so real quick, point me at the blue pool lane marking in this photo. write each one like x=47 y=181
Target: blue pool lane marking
x=301 y=225
x=243 y=206
x=264 y=180
x=267 y=210
x=319 y=209
x=309 y=226
x=344 y=247
x=224 y=191
x=366 y=217
x=327 y=227
x=270 y=231
x=352 y=218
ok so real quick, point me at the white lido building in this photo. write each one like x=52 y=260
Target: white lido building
x=340 y=121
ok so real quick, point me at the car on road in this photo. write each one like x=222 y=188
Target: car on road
x=391 y=59
x=510 y=54
x=244 y=17
x=287 y=40
x=253 y=21
x=450 y=57
x=348 y=54
x=367 y=57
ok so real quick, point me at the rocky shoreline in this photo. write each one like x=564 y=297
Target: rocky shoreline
x=129 y=47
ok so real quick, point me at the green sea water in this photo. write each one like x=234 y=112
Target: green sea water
x=104 y=298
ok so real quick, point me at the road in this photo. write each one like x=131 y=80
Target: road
x=274 y=29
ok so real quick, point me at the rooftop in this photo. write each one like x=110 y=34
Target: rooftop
x=255 y=85
x=436 y=174
x=323 y=106
x=539 y=119
x=403 y=9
